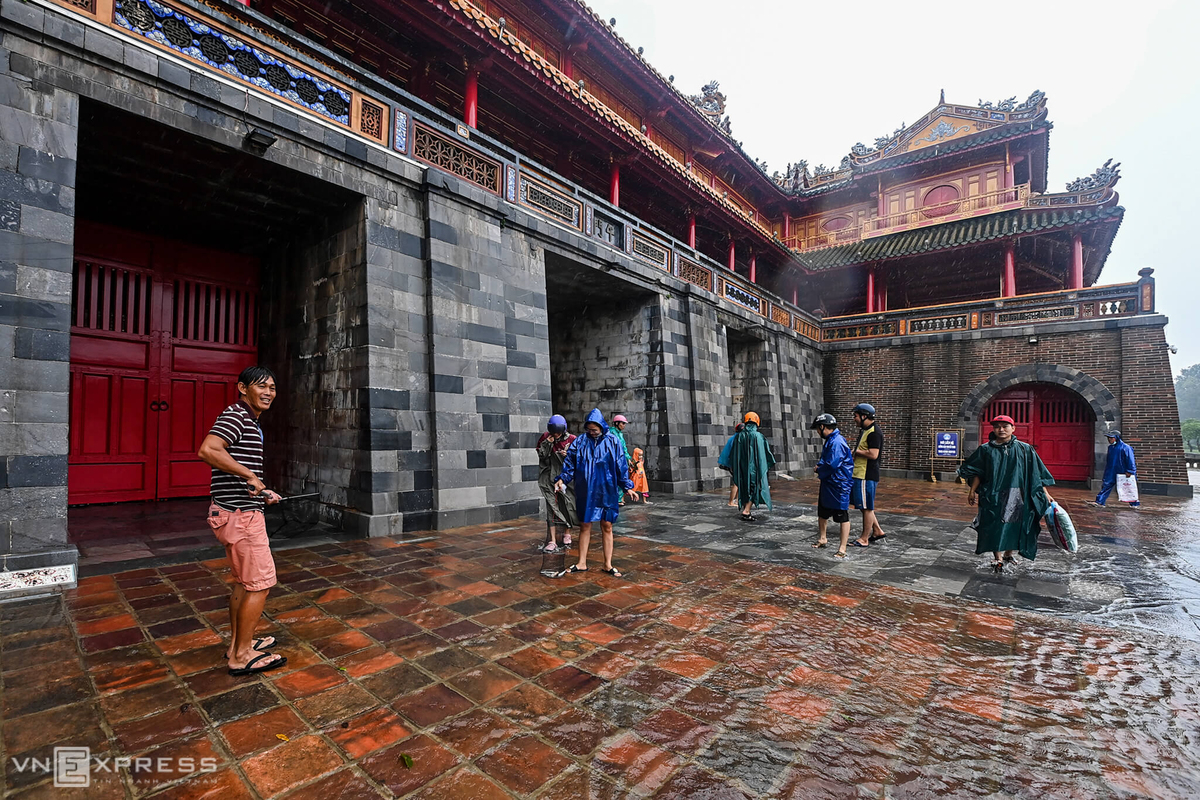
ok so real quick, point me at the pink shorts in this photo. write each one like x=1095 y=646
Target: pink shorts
x=244 y=534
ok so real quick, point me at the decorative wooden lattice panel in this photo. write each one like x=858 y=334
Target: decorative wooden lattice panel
x=551 y=202
x=372 y=120
x=954 y=322
x=648 y=251
x=695 y=274
x=439 y=151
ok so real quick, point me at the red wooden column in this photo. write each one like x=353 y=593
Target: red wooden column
x=246 y=3
x=1077 y=261
x=753 y=267
x=880 y=205
x=614 y=185
x=1010 y=271
x=795 y=295
x=870 y=290
x=881 y=303
x=787 y=227
x=732 y=256
x=692 y=231
x=471 y=99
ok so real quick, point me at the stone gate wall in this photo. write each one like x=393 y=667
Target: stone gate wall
x=918 y=383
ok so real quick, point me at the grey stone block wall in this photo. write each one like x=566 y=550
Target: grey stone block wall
x=399 y=460
x=488 y=357
x=410 y=333
x=38 y=146
x=801 y=396
x=313 y=335
x=603 y=359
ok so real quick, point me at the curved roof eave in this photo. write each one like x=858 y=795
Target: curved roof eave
x=961 y=233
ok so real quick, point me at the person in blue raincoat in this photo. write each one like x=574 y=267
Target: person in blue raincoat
x=595 y=464
x=836 y=471
x=1119 y=462
x=723 y=463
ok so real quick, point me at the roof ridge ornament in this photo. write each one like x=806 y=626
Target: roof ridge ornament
x=1105 y=176
x=711 y=103
x=1004 y=105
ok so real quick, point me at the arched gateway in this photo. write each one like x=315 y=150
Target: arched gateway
x=1055 y=420
x=1062 y=410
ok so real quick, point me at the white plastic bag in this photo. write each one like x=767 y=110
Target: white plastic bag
x=1127 y=488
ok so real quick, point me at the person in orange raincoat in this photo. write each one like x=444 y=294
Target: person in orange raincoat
x=640 y=484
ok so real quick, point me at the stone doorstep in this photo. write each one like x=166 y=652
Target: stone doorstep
x=32 y=582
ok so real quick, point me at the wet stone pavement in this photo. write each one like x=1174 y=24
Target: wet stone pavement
x=1136 y=569
x=449 y=668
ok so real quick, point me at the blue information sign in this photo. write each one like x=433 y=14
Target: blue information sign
x=945 y=444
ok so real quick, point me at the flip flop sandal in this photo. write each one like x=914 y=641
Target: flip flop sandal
x=749 y=518
x=250 y=669
x=819 y=545
x=567 y=540
x=876 y=538
x=839 y=554
x=857 y=543
x=614 y=572
x=260 y=644
x=575 y=568
x=998 y=566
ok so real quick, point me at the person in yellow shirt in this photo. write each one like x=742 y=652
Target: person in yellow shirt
x=866 y=473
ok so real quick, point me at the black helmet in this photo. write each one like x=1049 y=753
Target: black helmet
x=866 y=409
x=1113 y=434
x=828 y=420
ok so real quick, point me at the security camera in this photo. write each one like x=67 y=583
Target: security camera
x=1173 y=349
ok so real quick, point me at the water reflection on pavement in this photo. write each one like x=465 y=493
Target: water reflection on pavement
x=1134 y=569
x=736 y=663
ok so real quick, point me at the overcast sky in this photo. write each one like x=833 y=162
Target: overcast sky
x=808 y=80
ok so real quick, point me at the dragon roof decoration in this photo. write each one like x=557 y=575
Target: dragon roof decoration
x=951 y=120
x=711 y=103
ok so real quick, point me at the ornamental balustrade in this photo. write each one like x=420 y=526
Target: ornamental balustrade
x=1115 y=300
x=933 y=214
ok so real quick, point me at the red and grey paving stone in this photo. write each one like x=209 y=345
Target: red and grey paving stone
x=733 y=660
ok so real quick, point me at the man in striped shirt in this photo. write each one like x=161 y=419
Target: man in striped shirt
x=234 y=450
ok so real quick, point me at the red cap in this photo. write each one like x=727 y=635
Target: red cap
x=1003 y=418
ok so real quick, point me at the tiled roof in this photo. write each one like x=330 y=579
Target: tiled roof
x=958 y=234
x=540 y=64
x=998 y=134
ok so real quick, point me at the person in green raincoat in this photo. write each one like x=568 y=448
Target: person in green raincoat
x=750 y=460
x=1009 y=480
x=617 y=431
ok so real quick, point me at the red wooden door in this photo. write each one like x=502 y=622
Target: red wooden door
x=113 y=432
x=212 y=337
x=161 y=331
x=1053 y=419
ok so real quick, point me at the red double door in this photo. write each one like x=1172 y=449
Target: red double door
x=159 y=333
x=1055 y=420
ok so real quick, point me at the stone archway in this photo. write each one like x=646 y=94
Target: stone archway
x=1103 y=403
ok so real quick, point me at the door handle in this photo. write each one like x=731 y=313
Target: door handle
x=164 y=405
x=155 y=406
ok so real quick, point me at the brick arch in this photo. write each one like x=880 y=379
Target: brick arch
x=1103 y=403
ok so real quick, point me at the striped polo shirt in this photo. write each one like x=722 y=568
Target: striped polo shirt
x=238 y=426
